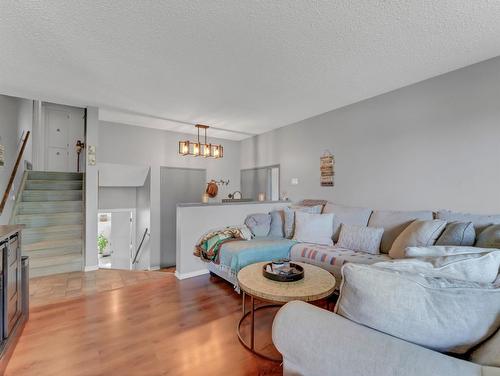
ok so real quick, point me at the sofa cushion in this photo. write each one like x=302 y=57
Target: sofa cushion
x=418 y=233
x=489 y=237
x=488 y=353
x=277 y=224
x=331 y=258
x=440 y=250
x=393 y=223
x=458 y=233
x=360 y=238
x=313 y=228
x=289 y=213
x=480 y=221
x=438 y=313
x=259 y=224
x=475 y=267
x=348 y=215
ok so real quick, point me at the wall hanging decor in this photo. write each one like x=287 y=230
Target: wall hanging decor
x=2 y=160
x=327 y=164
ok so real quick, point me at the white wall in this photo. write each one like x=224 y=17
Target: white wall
x=194 y=221
x=143 y=222
x=117 y=198
x=91 y=191
x=16 y=117
x=435 y=144
x=124 y=144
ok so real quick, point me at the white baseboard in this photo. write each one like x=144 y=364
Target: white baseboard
x=196 y=273
x=152 y=268
x=91 y=268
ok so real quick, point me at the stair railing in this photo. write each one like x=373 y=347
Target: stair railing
x=12 y=177
x=136 y=257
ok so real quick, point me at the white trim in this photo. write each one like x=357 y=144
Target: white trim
x=154 y=268
x=91 y=268
x=196 y=273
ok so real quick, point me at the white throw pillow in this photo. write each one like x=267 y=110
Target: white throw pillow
x=441 y=314
x=313 y=228
x=475 y=267
x=444 y=250
x=289 y=212
x=418 y=233
x=359 y=238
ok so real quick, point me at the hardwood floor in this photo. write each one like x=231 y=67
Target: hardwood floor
x=59 y=287
x=156 y=327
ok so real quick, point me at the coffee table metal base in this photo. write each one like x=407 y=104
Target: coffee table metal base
x=251 y=346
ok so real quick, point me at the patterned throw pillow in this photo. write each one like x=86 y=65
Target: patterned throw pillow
x=359 y=238
x=290 y=217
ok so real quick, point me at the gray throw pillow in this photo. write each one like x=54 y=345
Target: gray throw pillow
x=259 y=224
x=277 y=224
x=489 y=237
x=458 y=233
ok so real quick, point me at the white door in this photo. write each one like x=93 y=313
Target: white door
x=121 y=240
x=64 y=126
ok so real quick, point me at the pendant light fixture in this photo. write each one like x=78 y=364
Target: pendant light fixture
x=199 y=149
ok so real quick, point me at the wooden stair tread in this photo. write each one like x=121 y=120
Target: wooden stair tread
x=43 y=207
x=49 y=244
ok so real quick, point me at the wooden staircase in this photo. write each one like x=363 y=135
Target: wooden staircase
x=50 y=205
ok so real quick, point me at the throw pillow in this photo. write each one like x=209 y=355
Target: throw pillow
x=313 y=228
x=488 y=353
x=458 y=233
x=475 y=267
x=441 y=314
x=358 y=238
x=489 y=237
x=439 y=250
x=290 y=216
x=277 y=224
x=259 y=224
x=418 y=233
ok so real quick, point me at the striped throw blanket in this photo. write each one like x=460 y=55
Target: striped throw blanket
x=209 y=244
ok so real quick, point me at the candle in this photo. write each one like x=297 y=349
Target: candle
x=204 y=198
x=262 y=196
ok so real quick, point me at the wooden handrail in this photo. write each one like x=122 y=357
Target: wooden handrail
x=14 y=172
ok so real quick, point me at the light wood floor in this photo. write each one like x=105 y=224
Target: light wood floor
x=155 y=326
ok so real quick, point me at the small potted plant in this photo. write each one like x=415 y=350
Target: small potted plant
x=102 y=243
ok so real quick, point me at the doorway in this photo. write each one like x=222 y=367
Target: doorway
x=64 y=128
x=116 y=238
x=177 y=185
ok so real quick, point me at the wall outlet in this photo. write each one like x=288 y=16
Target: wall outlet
x=295 y=181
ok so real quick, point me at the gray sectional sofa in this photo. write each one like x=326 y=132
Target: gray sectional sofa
x=393 y=222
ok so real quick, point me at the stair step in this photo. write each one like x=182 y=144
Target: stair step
x=74 y=248
x=37 y=207
x=51 y=245
x=50 y=175
x=37 y=234
x=53 y=219
x=53 y=184
x=69 y=266
x=52 y=195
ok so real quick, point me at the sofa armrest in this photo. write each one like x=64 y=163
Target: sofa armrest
x=314 y=341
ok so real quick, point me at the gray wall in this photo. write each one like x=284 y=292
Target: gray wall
x=117 y=198
x=435 y=144
x=16 y=116
x=124 y=144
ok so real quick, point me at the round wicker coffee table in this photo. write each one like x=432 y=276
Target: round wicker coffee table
x=317 y=284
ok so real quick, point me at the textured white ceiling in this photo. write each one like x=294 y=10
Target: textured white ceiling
x=240 y=65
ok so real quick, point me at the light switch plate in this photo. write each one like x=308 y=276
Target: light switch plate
x=295 y=181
